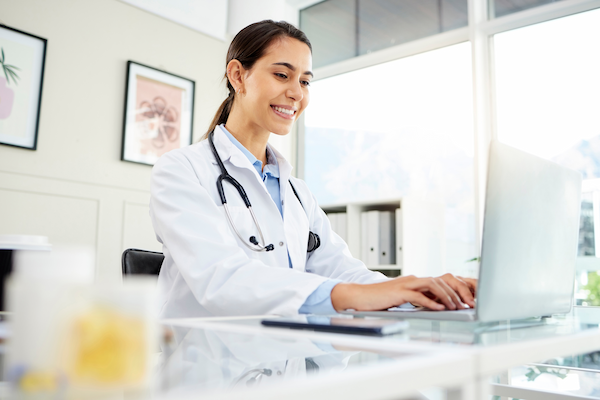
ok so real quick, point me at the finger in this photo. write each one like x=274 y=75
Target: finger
x=421 y=300
x=430 y=285
x=460 y=287
x=453 y=293
x=472 y=283
x=433 y=285
x=450 y=301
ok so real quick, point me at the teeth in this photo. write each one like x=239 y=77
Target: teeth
x=284 y=110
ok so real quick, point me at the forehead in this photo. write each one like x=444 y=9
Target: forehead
x=289 y=50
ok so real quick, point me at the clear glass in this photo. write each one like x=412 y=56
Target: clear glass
x=397 y=129
x=499 y=8
x=573 y=375
x=385 y=23
x=331 y=28
x=547 y=86
x=197 y=360
x=342 y=29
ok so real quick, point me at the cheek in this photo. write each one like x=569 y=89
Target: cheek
x=305 y=100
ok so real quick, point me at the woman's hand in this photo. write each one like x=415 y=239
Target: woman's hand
x=444 y=292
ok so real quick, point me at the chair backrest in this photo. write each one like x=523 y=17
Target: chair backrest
x=136 y=261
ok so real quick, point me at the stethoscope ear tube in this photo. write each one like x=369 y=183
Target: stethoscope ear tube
x=254 y=244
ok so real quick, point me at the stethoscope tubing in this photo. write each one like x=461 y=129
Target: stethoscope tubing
x=253 y=245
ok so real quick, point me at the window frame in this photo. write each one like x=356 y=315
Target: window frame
x=480 y=32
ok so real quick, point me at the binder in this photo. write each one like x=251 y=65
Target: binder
x=364 y=233
x=372 y=238
x=387 y=245
x=342 y=226
x=399 y=239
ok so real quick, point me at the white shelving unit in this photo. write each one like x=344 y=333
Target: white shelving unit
x=419 y=233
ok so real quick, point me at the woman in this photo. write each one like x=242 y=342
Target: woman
x=209 y=268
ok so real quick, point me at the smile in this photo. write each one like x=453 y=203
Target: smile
x=284 y=111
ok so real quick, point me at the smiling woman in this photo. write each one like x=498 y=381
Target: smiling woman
x=271 y=94
x=240 y=235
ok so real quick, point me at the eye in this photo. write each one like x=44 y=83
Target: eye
x=305 y=83
x=280 y=75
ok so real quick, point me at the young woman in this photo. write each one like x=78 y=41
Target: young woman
x=225 y=258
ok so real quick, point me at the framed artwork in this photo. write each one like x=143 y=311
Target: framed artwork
x=22 y=59
x=159 y=109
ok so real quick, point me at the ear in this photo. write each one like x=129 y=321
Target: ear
x=236 y=74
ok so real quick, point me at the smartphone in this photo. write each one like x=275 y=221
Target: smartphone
x=340 y=324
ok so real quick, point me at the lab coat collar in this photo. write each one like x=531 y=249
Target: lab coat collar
x=229 y=152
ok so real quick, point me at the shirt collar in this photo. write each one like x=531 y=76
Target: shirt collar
x=272 y=166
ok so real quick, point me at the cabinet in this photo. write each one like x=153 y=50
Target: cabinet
x=417 y=233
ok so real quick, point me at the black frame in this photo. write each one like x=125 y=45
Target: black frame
x=193 y=95
x=39 y=105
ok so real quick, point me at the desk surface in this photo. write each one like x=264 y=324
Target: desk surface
x=228 y=356
x=212 y=355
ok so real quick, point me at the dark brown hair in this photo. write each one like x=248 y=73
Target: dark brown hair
x=248 y=46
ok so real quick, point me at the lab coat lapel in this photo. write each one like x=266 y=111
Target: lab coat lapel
x=295 y=220
x=229 y=152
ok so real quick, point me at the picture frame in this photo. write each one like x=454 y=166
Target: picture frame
x=159 y=113
x=22 y=63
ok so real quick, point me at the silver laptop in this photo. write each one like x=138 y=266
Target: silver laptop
x=529 y=244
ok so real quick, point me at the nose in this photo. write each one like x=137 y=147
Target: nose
x=294 y=92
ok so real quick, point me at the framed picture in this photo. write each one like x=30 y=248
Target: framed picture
x=159 y=109
x=22 y=59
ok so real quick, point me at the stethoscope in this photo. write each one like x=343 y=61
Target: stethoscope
x=257 y=378
x=313 y=239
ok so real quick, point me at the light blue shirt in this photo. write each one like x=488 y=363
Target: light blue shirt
x=319 y=301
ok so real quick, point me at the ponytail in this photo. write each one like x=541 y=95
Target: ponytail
x=222 y=113
x=247 y=47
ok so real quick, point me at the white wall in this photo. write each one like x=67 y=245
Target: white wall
x=74 y=188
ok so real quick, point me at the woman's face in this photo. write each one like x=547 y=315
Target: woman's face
x=275 y=90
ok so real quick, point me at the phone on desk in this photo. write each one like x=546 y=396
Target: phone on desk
x=340 y=324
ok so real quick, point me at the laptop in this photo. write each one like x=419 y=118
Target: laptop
x=529 y=243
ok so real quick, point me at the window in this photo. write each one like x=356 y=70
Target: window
x=342 y=29
x=397 y=101
x=547 y=104
x=402 y=128
x=547 y=95
x=499 y=8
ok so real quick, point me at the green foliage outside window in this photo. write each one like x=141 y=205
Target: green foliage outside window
x=593 y=287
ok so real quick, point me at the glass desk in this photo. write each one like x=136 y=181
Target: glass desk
x=496 y=349
x=240 y=358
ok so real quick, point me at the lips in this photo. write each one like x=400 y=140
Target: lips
x=284 y=112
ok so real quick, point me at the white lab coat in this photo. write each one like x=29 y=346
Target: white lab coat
x=207 y=271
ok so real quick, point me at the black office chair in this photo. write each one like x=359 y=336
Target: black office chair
x=144 y=262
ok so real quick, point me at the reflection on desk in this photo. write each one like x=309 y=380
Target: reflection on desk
x=208 y=360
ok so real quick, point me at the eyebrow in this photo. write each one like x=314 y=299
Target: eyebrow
x=290 y=66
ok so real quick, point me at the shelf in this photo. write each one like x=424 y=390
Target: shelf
x=419 y=233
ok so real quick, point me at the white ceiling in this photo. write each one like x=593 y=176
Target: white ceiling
x=222 y=19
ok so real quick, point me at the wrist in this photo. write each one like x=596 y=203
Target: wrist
x=342 y=296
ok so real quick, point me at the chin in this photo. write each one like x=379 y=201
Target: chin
x=281 y=130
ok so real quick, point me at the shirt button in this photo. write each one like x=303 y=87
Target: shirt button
x=281 y=243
